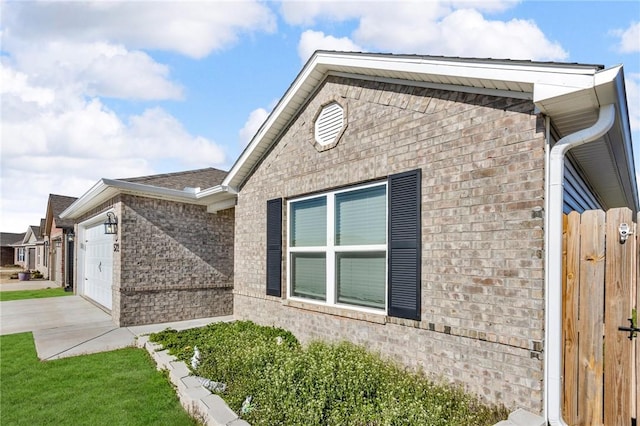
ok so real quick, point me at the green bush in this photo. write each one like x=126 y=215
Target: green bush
x=323 y=384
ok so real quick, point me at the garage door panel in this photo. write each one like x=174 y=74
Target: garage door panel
x=98 y=266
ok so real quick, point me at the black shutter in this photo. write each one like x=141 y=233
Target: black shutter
x=274 y=247
x=404 y=244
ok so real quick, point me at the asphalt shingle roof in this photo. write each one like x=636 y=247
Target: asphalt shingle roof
x=8 y=238
x=201 y=178
x=58 y=204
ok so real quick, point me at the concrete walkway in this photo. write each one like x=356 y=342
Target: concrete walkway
x=70 y=326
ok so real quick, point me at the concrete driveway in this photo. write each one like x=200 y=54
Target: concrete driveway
x=70 y=325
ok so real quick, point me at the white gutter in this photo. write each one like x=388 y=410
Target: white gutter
x=553 y=260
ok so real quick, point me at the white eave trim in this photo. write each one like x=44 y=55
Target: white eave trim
x=106 y=189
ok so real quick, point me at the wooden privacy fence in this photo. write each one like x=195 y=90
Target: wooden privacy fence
x=600 y=287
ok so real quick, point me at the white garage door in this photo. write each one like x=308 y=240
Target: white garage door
x=98 y=265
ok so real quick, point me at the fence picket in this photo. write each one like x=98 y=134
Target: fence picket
x=570 y=283
x=618 y=305
x=591 y=315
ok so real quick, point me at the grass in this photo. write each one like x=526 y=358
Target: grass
x=321 y=384
x=113 y=388
x=6 y=296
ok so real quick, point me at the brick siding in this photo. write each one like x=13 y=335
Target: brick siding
x=175 y=261
x=482 y=161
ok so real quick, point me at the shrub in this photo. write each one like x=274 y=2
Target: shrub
x=323 y=384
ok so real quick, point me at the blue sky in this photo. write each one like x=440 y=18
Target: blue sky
x=122 y=89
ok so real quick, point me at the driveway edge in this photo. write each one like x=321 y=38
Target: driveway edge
x=196 y=399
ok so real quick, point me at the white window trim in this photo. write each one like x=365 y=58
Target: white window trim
x=331 y=249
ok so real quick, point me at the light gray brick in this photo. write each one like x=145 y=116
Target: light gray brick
x=482 y=160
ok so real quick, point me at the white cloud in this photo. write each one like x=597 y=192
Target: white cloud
x=629 y=38
x=450 y=28
x=155 y=135
x=46 y=149
x=466 y=32
x=17 y=84
x=131 y=75
x=94 y=69
x=252 y=125
x=310 y=41
x=193 y=29
x=308 y=12
x=60 y=59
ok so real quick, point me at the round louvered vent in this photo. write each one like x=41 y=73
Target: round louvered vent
x=329 y=124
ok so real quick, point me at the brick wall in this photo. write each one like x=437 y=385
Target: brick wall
x=482 y=161
x=176 y=262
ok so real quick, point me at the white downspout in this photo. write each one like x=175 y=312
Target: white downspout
x=553 y=260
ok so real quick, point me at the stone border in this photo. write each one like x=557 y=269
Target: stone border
x=197 y=400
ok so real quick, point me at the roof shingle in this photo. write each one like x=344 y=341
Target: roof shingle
x=201 y=178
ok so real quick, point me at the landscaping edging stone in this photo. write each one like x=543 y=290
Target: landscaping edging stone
x=196 y=399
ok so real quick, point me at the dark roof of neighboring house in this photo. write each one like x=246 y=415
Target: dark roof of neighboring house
x=57 y=204
x=35 y=230
x=9 y=238
x=43 y=223
x=201 y=178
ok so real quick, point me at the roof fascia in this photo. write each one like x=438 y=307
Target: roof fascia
x=27 y=235
x=610 y=88
x=106 y=189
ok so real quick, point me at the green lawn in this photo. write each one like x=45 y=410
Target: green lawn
x=112 y=388
x=6 y=296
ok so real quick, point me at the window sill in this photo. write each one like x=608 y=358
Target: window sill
x=337 y=311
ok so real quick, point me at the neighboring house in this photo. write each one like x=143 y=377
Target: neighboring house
x=58 y=239
x=30 y=251
x=172 y=256
x=399 y=202
x=8 y=252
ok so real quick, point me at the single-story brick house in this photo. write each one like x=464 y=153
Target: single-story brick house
x=59 y=241
x=401 y=202
x=172 y=256
x=30 y=251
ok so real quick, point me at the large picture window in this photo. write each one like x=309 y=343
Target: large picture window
x=338 y=247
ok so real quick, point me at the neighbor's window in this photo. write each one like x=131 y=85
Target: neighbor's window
x=338 y=247
x=20 y=255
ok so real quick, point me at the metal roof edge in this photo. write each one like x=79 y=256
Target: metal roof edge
x=105 y=189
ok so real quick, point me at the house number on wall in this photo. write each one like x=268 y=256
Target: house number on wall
x=116 y=247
